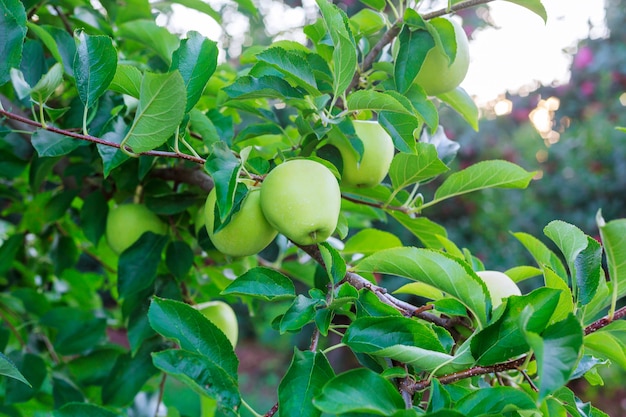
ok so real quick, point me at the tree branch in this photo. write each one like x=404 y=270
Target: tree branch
x=509 y=365
x=94 y=139
x=193 y=176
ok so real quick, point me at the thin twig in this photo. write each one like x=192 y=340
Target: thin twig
x=97 y=140
x=379 y=205
x=272 y=411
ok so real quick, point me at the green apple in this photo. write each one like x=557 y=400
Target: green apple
x=127 y=222
x=301 y=199
x=437 y=74
x=223 y=317
x=378 y=152
x=247 y=233
x=500 y=286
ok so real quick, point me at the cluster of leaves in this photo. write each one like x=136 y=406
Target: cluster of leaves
x=122 y=109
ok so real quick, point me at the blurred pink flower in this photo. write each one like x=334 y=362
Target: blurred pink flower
x=583 y=58
x=587 y=88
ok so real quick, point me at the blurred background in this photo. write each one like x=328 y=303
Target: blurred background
x=550 y=96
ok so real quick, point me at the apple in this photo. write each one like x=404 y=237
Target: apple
x=301 y=199
x=437 y=74
x=378 y=152
x=247 y=233
x=500 y=286
x=223 y=317
x=127 y=222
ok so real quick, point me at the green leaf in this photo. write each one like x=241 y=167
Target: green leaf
x=94 y=66
x=345 y=63
x=442 y=271
x=300 y=312
x=336 y=21
x=159 y=112
x=588 y=267
x=504 y=338
x=194 y=333
x=414 y=46
x=542 y=254
x=557 y=351
x=534 y=6
x=606 y=345
x=267 y=86
x=113 y=157
x=424 y=229
x=149 y=34
x=78 y=409
x=375 y=101
x=486 y=174
x=264 y=283
x=333 y=262
x=566 y=301
x=307 y=374
x=401 y=128
x=34 y=370
x=494 y=400
x=368 y=241
x=583 y=255
x=352 y=391
x=137 y=265
x=439 y=398
x=127 y=80
x=407 y=169
x=291 y=63
x=8 y=251
x=196 y=59
x=48 y=143
x=613 y=236
x=202 y=125
x=47 y=84
x=77 y=330
x=203 y=375
x=463 y=104
x=375 y=4
x=46 y=38
x=179 y=258
x=129 y=374
x=224 y=168
x=399 y=338
x=13 y=24
x=8 y=368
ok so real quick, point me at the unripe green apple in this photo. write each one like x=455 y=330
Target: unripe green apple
x=223 y=317
x=127 y=222
x=437 y=74
x=301 y=199
x=378 y=152
x=499 y=285
x=247 y=233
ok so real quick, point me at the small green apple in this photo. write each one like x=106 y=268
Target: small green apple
x=301 y=199
x=437 y=75
x=223 y=317
x=499 y=285
x=247 y=233
x=378 y=152
x=127 y=222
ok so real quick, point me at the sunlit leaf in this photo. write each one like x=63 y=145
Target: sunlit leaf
x=160 y=110
x=442 y=271
x=94 y=66
x=264 y=283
